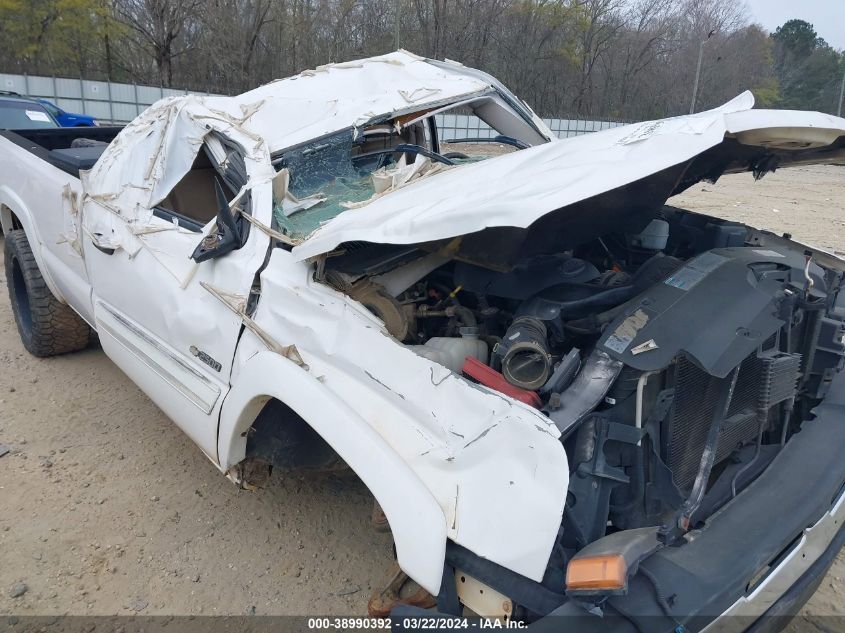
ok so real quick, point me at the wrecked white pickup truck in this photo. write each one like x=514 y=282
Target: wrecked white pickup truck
x=567 y=397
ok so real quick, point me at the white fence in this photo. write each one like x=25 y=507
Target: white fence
x=453 y=126
x=119 y=103
x=104 y=100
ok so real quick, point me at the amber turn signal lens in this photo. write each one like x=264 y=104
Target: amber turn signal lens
x=596 y=573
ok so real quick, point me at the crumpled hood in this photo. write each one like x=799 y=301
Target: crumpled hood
x=519 y=188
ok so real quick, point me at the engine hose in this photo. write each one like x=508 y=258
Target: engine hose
x=610 y=296
x=594 y=323
x=492 y=343
x=464 y=315
x=546 y=307
x=650 y=273
x=579 y=330
x=756 y=454
x=526 y=361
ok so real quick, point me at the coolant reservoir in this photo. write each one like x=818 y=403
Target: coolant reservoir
x=451 y=351
x=653 y=237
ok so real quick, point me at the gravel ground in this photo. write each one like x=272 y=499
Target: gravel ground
x=107 y=508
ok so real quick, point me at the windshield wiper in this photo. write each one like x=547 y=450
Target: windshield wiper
x=407 y=148
x=504 y=140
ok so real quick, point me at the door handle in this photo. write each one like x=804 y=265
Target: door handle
x=103 y=249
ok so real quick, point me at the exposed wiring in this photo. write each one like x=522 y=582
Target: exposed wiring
x=808 y=285
x=661 y=598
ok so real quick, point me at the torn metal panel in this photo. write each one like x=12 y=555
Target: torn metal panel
x=281 y=237
x=416 y=520
x=237 y=304
x=333 y=97
x=475 y=450
x=211 y=342
x=154 y=152
x=519 y=188
x=140 y=263
x=73 y=227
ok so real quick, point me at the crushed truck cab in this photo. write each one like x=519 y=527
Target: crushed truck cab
x=525 y=354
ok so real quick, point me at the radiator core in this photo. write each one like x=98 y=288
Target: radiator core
x=764 y=380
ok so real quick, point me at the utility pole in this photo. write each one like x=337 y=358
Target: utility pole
x=396 y=4
x=841 y=95
x=698 y=70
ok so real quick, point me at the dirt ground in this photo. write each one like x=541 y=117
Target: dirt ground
x=107 y=508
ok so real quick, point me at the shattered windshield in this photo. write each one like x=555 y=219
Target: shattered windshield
x=348 y=169
x=322 y=177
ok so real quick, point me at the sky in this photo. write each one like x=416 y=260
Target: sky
x=827 y=16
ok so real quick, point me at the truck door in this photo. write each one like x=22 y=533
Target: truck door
x=153 y=311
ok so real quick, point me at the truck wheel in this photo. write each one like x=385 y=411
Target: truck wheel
x=47 y=327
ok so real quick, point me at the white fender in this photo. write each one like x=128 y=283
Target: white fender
x=11 y=203
x=416 y=520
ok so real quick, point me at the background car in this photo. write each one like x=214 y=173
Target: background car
x=68 y=119
x=22 y=113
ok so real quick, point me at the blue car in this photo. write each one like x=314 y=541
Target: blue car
x=68 y=119
x=22 y=113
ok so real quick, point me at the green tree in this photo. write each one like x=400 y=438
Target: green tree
x=808 y=70
x=796 y=38
x=63 y=37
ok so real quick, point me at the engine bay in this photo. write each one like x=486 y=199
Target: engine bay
x=676 y=355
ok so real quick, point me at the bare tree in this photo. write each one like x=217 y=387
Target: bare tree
x=160 y=25
x=613 y=59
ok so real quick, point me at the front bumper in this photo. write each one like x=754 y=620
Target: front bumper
x=757 y=559
x=768 y=608
x=786 y=587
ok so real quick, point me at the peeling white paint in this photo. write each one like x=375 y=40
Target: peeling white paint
x=503 y=456
x=444 y=457
x=518 y=188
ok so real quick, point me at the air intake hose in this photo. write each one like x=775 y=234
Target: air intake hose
x=526 y=362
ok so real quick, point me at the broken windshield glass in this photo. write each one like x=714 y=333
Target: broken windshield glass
x=327 y=177
x=348 y=169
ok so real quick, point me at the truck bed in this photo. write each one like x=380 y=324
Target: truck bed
x=61 y=147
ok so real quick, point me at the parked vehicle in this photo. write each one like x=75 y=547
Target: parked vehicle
x=567 y=397
x=20 y=113
x=68 y=119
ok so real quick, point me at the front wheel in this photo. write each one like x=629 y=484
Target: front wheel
x=46 y=326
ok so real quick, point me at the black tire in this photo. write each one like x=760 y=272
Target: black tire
x=47 y=327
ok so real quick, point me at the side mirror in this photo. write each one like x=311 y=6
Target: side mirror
x=230 y=234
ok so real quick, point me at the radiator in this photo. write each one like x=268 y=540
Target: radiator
x=764 y=380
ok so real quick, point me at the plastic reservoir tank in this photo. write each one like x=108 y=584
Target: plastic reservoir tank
x=451 y=351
